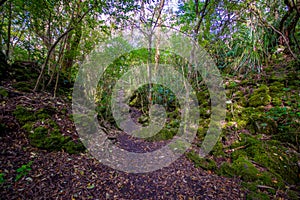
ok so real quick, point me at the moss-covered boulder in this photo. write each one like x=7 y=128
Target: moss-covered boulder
x=47 y=136
x=278 y=161
x=53 y=140
x=260 y=97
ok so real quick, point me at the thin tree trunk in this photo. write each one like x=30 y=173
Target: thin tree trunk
x=48 y=56
x=53 y=47
x=60 y=55
x=8 y=33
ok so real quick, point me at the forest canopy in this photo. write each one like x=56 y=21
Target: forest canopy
x=57 y=35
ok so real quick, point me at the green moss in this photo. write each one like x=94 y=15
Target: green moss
x=73 y=147
x=276 y=78
x=226 y=170
x=276 y=87
x=53 y=140
x=204 y=112
x=218 y=150
x=271 y=155
x=257 y=196
x=245 y=169
x=293 y=195
x=287 y=123
x=260 y=97
x=204 y=163
x=28 y=127
x=23 y=86
x=24 y=115
x=164 y=134
x=45 y=113
x=174 y=123
x=261 y=124
x=3 y=92
x=174 y=115
x=256 y=121
x=243 y=101
x=276 y=101
x=143 y=119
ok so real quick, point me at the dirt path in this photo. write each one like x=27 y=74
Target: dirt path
x=59 y=175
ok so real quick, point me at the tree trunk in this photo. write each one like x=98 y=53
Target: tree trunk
x=8 y=33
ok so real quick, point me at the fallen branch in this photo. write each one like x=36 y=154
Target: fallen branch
x=265 y=187
x=235 y=149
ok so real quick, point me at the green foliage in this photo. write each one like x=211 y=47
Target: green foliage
x=163 y=96
x=23 y=170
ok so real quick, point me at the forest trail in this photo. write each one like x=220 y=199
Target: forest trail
x=60 y=175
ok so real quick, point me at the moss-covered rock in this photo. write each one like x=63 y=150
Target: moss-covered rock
x=276 y=78
x=53 y=140
x=245 y=169
x=260 y=97
x=287 y=123
x=24 y=115
x=276 y=87
x=45 y=113
x=47 y=136
x=255 y=120
x=271 y=155
x=261 y=124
